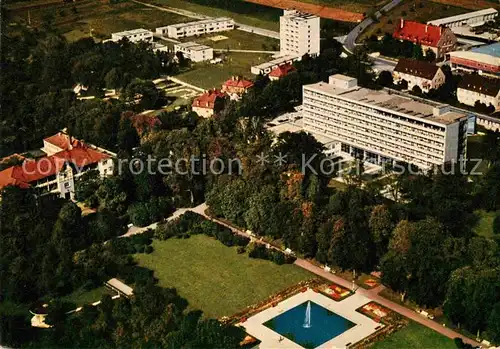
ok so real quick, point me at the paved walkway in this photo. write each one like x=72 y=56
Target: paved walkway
x=372 y=294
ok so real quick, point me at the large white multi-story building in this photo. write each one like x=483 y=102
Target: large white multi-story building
x=299 y=34
x=134 y=35
x=205 y=26
x=194 y=51
x=383 y=126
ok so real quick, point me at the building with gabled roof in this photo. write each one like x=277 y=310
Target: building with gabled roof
x=209 y=103
x=423 y=74
x=476 y=88
x=236 y=87
x=281 y=71
x=66 y=159
x=441 y=40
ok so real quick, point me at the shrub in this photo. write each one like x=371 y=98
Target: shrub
x=240 y=250
x=278 y=257
x=139 y=248
x=225 y=236
x=241 y=241
x=148 y=249
x=496 y=224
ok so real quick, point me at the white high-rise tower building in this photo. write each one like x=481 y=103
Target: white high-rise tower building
x=299 y=33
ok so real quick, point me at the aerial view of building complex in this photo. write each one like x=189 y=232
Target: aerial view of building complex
x=225 y=174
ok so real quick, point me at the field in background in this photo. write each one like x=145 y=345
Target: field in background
x=358 y=6
x=414 y=10
x=265 y=17
x=415 y=336
x=76 y=20
x=213 y=277
x=207 y=76
x=335 y=13
x=471 y=4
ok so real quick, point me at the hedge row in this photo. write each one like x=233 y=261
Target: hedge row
x=140 y=243
x=191 y=223
x=260 y=251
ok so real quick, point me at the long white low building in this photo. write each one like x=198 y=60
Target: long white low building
x=383 y=126
x=205 y=26
x=471 y=18
x=194 y=51
x=134 y=35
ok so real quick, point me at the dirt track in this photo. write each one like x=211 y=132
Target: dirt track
x=321 y=11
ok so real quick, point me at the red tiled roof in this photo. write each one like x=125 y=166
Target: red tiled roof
x=81 y=156
x=62 y=140
x=33 y=170
x=282 y=70
x=238 y=82
x=207 y=100
x=425 y=34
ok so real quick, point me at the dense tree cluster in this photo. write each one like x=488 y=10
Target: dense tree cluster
x=391 y=47
x=154 y=317
x=39 y=70
x=39 y=237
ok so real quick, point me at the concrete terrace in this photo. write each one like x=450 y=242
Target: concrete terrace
x=345 y=308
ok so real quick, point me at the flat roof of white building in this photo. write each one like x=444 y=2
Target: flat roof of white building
x=193 y=46
x=132 y=32
x=277 y=61
x=390 y=100
x=463 y=17
x=298 y=15
x=476 y=57
x=203 y=21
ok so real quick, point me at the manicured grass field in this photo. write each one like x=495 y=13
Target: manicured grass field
x=206 y=75
x=266 y=17
x=415 y=336
x=484 y=226
x=413 y=10
x=238 y=40
x=213 y=277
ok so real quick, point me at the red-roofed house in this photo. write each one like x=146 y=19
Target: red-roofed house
x=67 y=158
x=441 y=40
x=209 y=103
x=236 y=86
x=281 y=71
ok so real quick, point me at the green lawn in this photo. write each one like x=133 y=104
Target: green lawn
x=415 y=336
x=238 y=40
x=261 y=16
x=14 y=309
x=484 y=226
x=213 y=277
x=75 y=20
x=81 y=297
x=206 y=75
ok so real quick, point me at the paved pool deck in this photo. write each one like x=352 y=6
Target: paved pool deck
x=345 y=308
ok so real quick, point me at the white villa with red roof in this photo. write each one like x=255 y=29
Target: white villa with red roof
x=209 y=103
x=236 y=87
x=66 y=159
x=441 y=40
